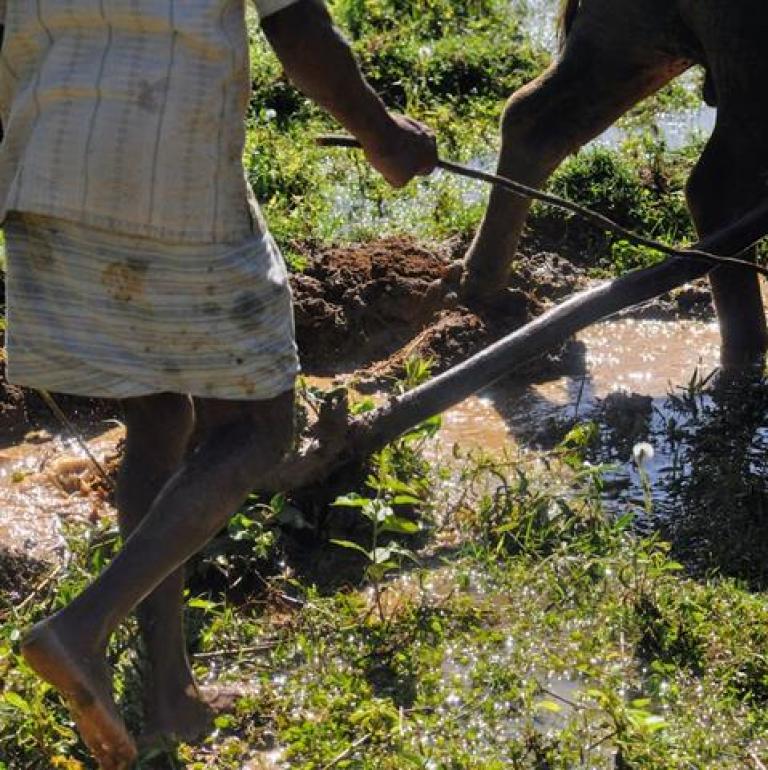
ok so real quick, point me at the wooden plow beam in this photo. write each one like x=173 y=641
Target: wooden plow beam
x=340 y=441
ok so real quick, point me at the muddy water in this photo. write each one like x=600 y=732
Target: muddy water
x=43 y=483
x=645 y=357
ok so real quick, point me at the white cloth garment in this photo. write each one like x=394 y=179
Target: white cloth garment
x=137 y=259
x=99 y=314
x=128 y=115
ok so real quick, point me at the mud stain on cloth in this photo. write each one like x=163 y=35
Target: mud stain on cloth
x=248 y=311
x=125 y=281
x=41 y=254
x=151 y=94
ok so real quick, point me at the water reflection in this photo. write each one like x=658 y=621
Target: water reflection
x=646 y=357
x=650 y=381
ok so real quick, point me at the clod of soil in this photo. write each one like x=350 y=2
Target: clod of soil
x=361 y=303
x=372 y=306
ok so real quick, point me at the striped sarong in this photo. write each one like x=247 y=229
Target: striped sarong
x=108 y=315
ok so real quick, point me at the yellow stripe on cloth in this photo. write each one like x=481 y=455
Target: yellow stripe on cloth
x=113 y=316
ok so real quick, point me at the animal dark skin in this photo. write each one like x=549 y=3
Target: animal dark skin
x=616 y=53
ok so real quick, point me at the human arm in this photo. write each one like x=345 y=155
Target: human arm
x=319 y=62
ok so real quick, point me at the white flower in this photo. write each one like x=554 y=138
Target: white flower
x=642 y=453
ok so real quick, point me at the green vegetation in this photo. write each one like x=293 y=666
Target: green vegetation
x=452 y=65
x=642 y=187
x=537 y=632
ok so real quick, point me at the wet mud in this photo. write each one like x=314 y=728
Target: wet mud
x=45 y=482
x=364 y=304
x=373 y=306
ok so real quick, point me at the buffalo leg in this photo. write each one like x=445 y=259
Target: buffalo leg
x=730 y=177
x=612 y=59
x=720 y=188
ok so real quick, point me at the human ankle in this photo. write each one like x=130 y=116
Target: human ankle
x=171 y=686
x=76 y=632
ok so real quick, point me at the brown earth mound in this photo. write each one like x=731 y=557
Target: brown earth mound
x=372 y=306
x=355 y=305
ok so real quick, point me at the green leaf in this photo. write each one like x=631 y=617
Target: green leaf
x=15 y=700
x=353 y=547
x=392 y=484
x=549 y=705
x=351 y=501
x=202 y=604
x=377 y=571
x=654 y=723
x=399 y=525
x=646 y=722
x=581 y=436
x=406 y=500
x=224 y=721
x=362 y=406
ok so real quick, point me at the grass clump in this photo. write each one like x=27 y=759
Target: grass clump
x=642 y=188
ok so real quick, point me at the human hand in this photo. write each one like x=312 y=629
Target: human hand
x=402 y=149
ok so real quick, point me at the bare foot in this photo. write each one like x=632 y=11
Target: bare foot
x=85 y=685
x=188 y=716
x=183 y=718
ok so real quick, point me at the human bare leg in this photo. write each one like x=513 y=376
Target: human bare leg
x=240 y=444
x=612 y=59
x=158 y=430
